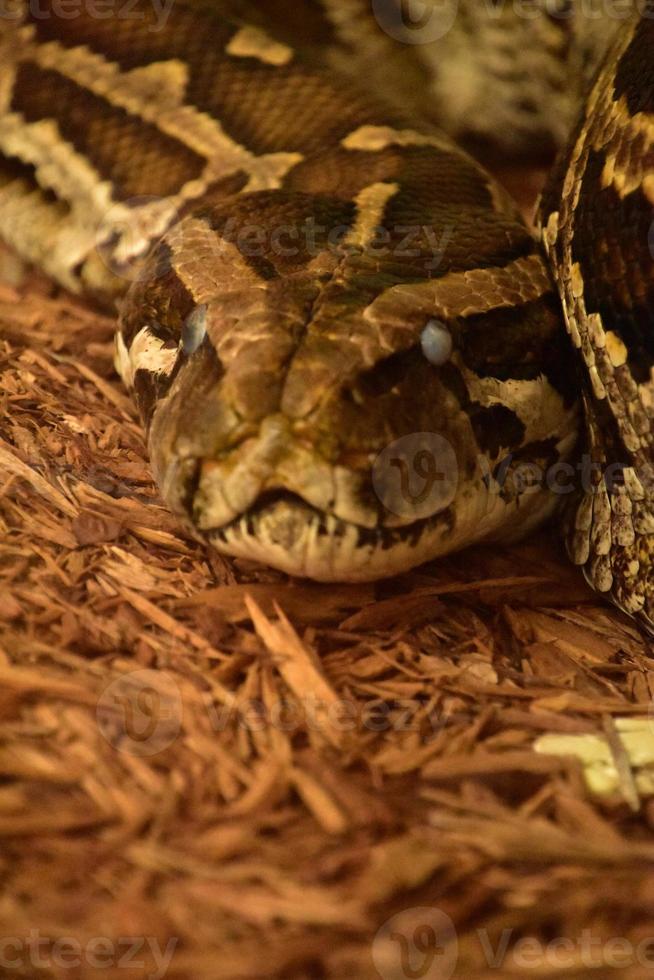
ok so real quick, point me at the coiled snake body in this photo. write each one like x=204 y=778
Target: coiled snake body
x=348 y=349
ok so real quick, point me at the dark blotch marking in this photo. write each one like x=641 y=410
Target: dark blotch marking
x=159 y=300
x=496 y=427
x=264 y=107
x=135 y=155
x=12 y=169
x=612 y=243
x=148 y=389
x=136 y=36
x=307 y=28
x=522 y=342
x=279 y=232
x=388 y=538
x=529 y=467
x=635 y=75
x=441 y=219
x=273 y=109
x=446 y=203
x=387 y=373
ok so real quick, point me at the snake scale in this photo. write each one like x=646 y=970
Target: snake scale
x=348 y=349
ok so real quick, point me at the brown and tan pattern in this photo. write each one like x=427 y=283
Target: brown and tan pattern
x=308 y=277
x=209 y=769
x=598 y=216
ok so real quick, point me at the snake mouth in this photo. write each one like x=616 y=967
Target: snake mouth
x=286 y=532
x=278 y=527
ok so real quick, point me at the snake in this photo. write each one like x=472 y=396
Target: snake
x=350 y=351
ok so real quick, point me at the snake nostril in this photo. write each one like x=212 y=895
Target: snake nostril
x=387 y=373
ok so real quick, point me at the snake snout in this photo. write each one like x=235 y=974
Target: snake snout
x=278 y=463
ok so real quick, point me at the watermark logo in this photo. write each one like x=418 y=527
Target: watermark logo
x=428 y=21
x=421 y=944
x=27 y=955
x=416 y=476
x=156 y=18
x=141 y=712
x=416 y=944
x=416 y=21
x=129 y=233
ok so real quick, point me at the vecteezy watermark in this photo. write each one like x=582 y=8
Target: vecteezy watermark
x=27 y=954
x=563 y=10
x=428 y=21
x=141 y=712
x=129 y=233
x=421 y=944
x=416 y=944
x=311 y=238
x=592 y=951
x=416 y=476
x=94 y=9
x=342 y=715
x=562 y=477
x=416 y=21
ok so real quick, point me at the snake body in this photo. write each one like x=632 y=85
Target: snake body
x=347 y=348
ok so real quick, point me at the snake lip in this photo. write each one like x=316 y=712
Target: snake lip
x=282 y=530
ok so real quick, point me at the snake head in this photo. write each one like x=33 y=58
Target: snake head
x=316 y=412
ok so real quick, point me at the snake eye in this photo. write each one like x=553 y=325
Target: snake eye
x=194 y=329
x=436 y=343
